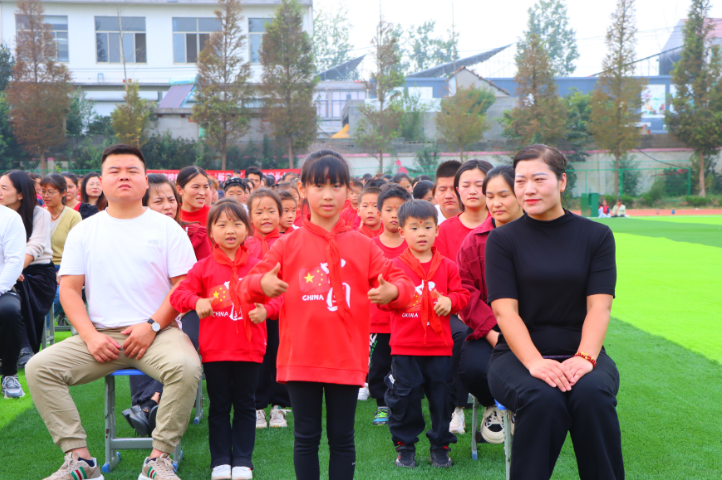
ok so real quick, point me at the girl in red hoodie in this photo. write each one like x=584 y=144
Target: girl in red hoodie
x=327 y=274
x=232 y=339
x=264 y=211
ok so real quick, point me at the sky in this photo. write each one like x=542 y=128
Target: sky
x=483 y=25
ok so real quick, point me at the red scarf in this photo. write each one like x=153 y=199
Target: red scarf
x=263 y=239
x=239 y=261
x=333 y=258
x=428 y=315
x=364 y=230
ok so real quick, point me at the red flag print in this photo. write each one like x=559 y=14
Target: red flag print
x=313 y=280
x=221 y=296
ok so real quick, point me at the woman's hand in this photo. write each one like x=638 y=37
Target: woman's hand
x=204 y=307
x=578 y=367
x=555 y=374
x=258 y=314
x=271 y=285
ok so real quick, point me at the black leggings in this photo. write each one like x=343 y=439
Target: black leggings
x=11 y=325
x=268 y=389
x=379 y=366
x=545 y=414
x=475 y=356
x=459 y=332
x=307 y=401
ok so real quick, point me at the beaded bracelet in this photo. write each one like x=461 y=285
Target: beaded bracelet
x=587 y=358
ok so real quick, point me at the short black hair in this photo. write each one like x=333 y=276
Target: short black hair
x=400 y=176
x=355 y=182
x=419 y=178
x=378 y=183
x=506 y=172
x=232 y=209
x=481 y=165
x=393 y=192
x=122 y=149
x=366 y=177
x=286 y=195
x=388 y=177
x=254 y=171
x=323 y=165
x=448 y=169
x=422 y=188
x=420 y=209
x=369 y=191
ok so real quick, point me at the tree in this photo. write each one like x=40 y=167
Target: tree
x=411 y=124
x=223 y=82
x=39 y=91
x=380 y=121
x=7 y=62
x=549 y=21
x=11 y=154
x=577 y=135
x=80 y=114
x=131 y=119
x=331 y=45
x=617 y=97
x=697 y=115
x=540 y=115
x=424 y=51
x=461 y=120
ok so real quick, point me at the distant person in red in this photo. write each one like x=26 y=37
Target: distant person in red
x=288 y=214
x=371 y=225
x=194 y=188
x=264 y=209
x=350 y=213
x=327 y=274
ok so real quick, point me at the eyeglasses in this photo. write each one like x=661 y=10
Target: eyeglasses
x=49 y=192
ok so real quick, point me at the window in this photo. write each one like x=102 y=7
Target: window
x=59 y=29
x=190 y=36
x=108 y=31
x=322 y=104
x=256 y=29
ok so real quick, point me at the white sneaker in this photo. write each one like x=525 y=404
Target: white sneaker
x=458 y=421
x=242 y=473
x=492 y=427
x=221 y=472
x=363 y=392
x=278 y=418
x=261 y=419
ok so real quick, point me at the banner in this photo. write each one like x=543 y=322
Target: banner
x=223 y=175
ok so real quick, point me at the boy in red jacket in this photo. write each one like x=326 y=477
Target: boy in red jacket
x=371 y=225
x=421 y=342
x=350 y=214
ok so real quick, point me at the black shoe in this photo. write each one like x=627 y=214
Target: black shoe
x=406 y=455
x=137 y=420
x=440 y=457
x=151 y=419
x=24 y=357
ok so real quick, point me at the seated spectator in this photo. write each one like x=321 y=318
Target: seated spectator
x=619 y=210
x=84 y=209
x=601 y=213
x=91 y=192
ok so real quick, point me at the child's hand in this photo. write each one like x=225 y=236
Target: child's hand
x=385 y=293
x=258 y=314
x=443 y=305
x=204 y=307
x=272 y=285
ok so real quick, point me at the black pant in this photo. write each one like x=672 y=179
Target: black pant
x=231 y=384
x=379 y=366
x=414 y=376
x=11 y=324
x=307 y=401
x=545 y=414
x=474 y=361
x=459 y=332
x=269 y=390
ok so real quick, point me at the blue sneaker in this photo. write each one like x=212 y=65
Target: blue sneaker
x=382 y=416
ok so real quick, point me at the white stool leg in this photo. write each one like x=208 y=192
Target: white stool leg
x=474 y=426
x=508 y=439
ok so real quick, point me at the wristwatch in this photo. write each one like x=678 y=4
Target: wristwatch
x=154 y=325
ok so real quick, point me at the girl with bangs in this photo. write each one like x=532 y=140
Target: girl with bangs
x=327 y=274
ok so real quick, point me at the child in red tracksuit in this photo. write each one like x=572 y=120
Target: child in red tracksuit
x=232 y=339
x=371 y=225
x=421 y=342
x=327 y=274
x=264 y=212
x=350 y=214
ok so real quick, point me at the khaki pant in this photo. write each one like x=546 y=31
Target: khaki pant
x=171 y=359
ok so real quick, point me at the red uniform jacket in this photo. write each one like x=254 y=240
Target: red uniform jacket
x=316 y=343
x=199 y=216
x=367 y=232
x=255 y=248
x=380 y=319
x=198 y=235
x=222 y=336
x=408 y=336
x=477 y=314
x=451 y=233
x=351 y=217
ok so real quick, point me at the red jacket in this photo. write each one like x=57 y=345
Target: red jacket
x=470 y=260
x=351 y=217
x=381 y=320
x=198 y=236
x=316 y=344
x=199 y=216
x=255 y=248
x=451 y=233
x=222 y=335
x=367 y=232
x=407 y=333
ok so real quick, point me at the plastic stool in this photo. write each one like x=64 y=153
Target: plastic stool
x=49 y=328
x=199 y=402
x=508 y=435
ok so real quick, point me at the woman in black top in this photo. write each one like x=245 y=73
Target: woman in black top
x=551 y=278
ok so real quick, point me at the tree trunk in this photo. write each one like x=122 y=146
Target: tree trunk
x=223 y=159
x=381 y=161
x=617 y=175
x=43 y=164
x=290 y=154
x=702 y=189
x=461 y=154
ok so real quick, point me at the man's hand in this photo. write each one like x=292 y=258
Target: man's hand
x=385 y=293
x=140 y=337
x=21 y=278
x=102 y=347
x=204 y=307
x=258 y=314
x=272 y=285
x=443 y=305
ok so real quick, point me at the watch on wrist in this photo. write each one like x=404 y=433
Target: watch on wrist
x=155 y=326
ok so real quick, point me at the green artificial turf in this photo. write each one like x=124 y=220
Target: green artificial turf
x=702 y=219
x=705 y=234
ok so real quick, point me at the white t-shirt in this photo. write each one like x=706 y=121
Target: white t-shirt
x=12 y=248
x=440 y=218
x=127 y=264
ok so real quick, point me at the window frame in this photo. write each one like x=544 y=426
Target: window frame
x=252 y=35
x=53 y=31
x=134 y=33
x=198 y=33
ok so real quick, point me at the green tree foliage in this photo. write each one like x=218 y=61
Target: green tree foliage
x=426 y=161
x=426 y=51
x=577 y=135
x=629 y=175
x=540 y=116
x=11 y=154
x=461 y=120
x=101 y=125
x=288 y=79
x=617 y=96
x=131 y=119
x=165 y=152
x=223 y=82
x=331 y=45
x=7 y=62
x=697 y=115
x=267 y=154
x=548 y=19
x=80 y=114
x=86 y=155
x=381 y=118
x=411 y=125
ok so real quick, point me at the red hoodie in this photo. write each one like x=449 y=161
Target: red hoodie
x=381 y=320
x=198 y=236
x=477 y=314
x=199 y=216
x=222 y=336
x=255 y=245
x=317 y=343
x=451 y=233
x=408 y=335
x=351 y=217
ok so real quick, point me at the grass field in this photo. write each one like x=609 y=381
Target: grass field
x=664 y=337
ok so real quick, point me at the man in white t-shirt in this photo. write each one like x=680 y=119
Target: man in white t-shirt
x=447 y=202
x=129 y=258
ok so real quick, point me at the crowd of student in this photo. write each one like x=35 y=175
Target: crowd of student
x=319 y=287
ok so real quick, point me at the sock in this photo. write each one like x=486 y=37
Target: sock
x=91 y=463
